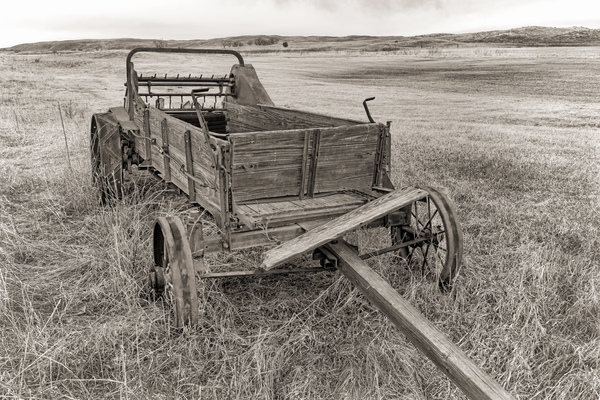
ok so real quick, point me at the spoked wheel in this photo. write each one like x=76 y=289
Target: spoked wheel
x=172 y=277
x=434 y=237
x=107 y=165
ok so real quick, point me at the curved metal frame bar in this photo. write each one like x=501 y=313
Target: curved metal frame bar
x=182 y=51
x=128 y=64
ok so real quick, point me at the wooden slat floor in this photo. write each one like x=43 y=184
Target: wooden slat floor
x=284 y=212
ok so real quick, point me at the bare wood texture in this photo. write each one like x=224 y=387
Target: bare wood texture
x=165 y=149
x=189 y=166
x=244 y=118
x=270 y=164
x=314 y=163
x=147 y=149
x=107 y=153
x=304 y=169
x=266 y=164
x=259 y=237
x=346 y=158
x=223 y=164
x=203 y=169
x=341 y=225
x=448 y=357
x=284 y=212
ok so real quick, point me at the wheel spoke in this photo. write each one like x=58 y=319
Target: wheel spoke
x=417 y=219
x=439 y=247
x=433 y=223
x=431 y=219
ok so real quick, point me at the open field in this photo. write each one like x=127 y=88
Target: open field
x=511 y=135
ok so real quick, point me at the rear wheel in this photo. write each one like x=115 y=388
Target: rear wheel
x=106 y=158
x=433 y=237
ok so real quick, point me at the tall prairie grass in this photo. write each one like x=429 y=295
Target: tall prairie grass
x=512 y=140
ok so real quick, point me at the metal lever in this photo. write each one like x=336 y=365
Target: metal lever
x=367 y=109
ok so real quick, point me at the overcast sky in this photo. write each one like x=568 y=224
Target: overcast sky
x=23 y=21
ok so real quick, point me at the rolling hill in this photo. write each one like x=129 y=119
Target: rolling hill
x=518 y=37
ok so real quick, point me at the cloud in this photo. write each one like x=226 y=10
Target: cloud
x=364 y=5
x=185 y=19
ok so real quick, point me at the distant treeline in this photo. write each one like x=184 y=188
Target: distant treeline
x=259 y=41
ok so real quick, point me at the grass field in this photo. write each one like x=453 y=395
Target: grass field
x=511 y=135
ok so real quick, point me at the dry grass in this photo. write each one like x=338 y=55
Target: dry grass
x=513 y=140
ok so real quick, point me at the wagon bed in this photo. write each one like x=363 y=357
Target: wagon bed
x=276 y=176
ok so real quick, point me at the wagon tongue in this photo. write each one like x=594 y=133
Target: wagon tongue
x=340 y=226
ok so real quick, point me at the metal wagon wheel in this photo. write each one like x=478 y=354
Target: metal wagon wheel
x=172 y=276
x=107 y=166
x=437 y=236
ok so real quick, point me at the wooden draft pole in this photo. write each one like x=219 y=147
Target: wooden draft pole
x=340 y=226
x=447 y=356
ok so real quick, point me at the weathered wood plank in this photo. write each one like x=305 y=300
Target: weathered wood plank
x=274 y=214
x=203 y=167
x=310 y=215
x=189 y=166
x=267 y=118
x=341 y=225
x=267 y=164
x=201 y=153
x=314 y=163
x=259 y=237
x=146 y=150
x=447 y=356
x=271 y=164
x=165 y=148
x=346 y=158
x=319 y=203
x=303 y=171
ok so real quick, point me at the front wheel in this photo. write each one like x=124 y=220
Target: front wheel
x=433 y=236
x=172 y=276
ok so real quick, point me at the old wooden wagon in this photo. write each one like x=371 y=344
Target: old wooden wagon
x=272 y=176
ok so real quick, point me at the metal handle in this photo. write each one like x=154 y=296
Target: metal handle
x=367 y=109
x=184 y=51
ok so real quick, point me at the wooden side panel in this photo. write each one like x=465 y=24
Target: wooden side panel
x=272 y=163
x=269 y=118
x=203 y=168
x=346 y=158
x=267 y=164
x=341 y=225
